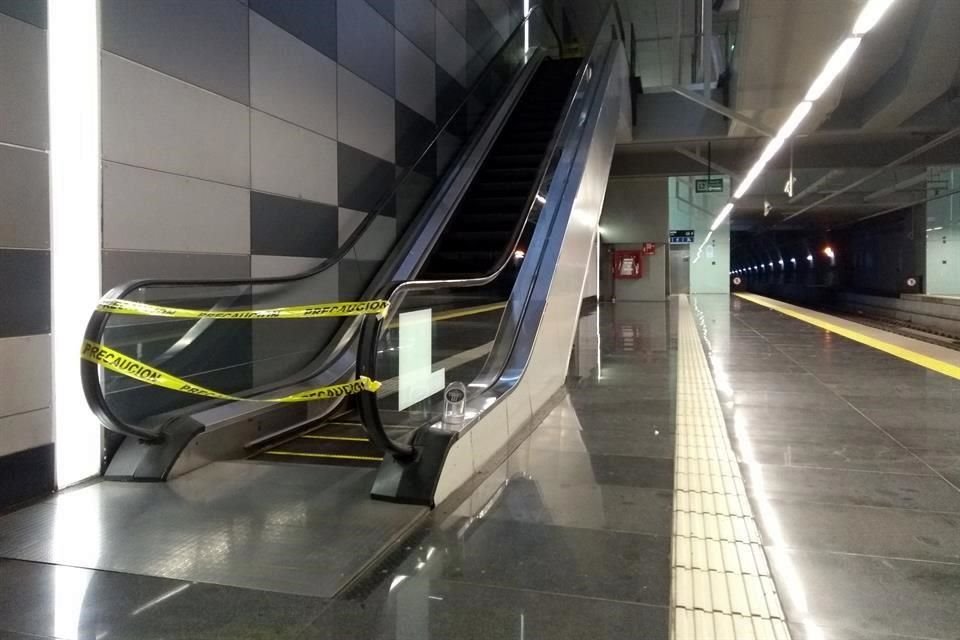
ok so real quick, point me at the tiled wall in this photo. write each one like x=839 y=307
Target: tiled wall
x=26 y=430
x=248 y=137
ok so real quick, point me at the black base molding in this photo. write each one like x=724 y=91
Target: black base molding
x=26 y=475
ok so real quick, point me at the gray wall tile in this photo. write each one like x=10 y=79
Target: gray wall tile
x=25 y=431
x=416 y=80
x=278 y=266
x=204 y=43
x=377 y=240
x=481 y=35
x=451 y=49
x=366 y=116
x=414 y=135
x=418 y=23
x=122 y=266
x=355 y=275
x=25 y=292
x=348 y=221
x=154 y=121
x=291 y=79
x=24 y=198
x=152 y=210
x=499 y=16
x=314 y=22
x=364 y=179
x=25 y=372
x=386 y=8
x=288 y=227
x=23 y=83
x=32 y=11
x=365 y=43
x=456 y=12
x=292 y=161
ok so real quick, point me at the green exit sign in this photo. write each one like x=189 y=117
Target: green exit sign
x=712 y=185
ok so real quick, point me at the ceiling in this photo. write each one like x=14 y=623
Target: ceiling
x=901 y=91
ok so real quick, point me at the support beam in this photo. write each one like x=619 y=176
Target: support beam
x=920 y=178
x=715 y=106
x=919 y=151
x=813 y=188
x=709 y=164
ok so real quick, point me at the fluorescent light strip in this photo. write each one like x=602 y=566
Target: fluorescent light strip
x=74 y=68
x=835 y=65
x=870 y=16
x=723 y=215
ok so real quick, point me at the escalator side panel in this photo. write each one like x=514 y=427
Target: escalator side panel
x=537 y=361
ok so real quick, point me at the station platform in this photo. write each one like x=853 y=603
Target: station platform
x=740 y=468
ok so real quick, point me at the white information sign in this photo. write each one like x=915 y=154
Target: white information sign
x=417 y=380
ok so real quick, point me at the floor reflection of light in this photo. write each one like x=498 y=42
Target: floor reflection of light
x=787 y=576
x=161 y=598
x=76 y=541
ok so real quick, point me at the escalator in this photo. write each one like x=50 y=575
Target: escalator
x=486 y=230
x=483 y=228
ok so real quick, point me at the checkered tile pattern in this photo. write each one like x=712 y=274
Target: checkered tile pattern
x=249 y=138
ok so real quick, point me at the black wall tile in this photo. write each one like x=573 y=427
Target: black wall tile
x=354 y=276
x=32 y=11
x=384 y=7
x=24 y=292
x=480 y=33
x=449 y=96
x=414 y=134
x=204 y=43
x=313 y=21
x=288 y=227
x=26 y=475
x=363 y=180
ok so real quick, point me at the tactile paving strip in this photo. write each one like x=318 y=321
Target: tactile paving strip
x=722 y=586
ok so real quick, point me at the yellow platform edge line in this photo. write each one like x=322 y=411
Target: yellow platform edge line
x=337 y=456
x=928 y=362
x=342 y=438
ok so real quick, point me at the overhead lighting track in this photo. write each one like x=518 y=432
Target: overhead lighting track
x=868 y=18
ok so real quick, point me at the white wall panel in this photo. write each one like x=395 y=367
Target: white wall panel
x=291 y=79
x=23 y=84
x=367 y=119
x=25 y=431
x=151 y=210
x=292 y=161
x=25 y=374
x=152 y=120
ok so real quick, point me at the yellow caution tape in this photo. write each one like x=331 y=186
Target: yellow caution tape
x=124 y=365
x=324 y=310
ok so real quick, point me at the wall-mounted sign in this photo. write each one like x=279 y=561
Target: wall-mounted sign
x=709 y=185
x=627 y=265
x=681 y=236
x=648 y=249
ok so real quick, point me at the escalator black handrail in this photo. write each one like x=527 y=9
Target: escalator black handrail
x=89 y=372
x=371 y=326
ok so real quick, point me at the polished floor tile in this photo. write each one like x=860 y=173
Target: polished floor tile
x=836 y=453
x=893 y=533
x=856 y=488
x=646 y=442
x=871 y=596
x=287 y=528
x=609 y=507
x=71 y=603
x=573 y=561
x=421 y=608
